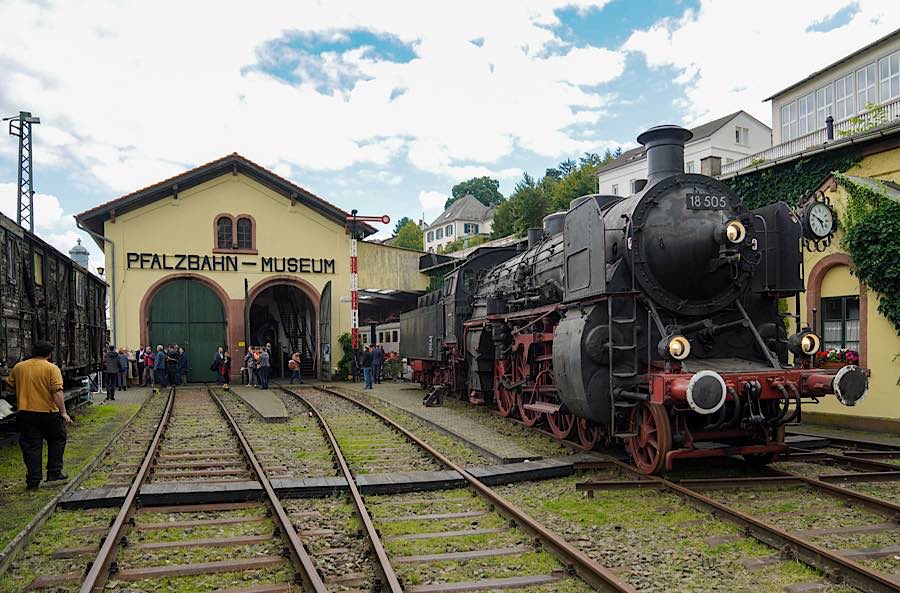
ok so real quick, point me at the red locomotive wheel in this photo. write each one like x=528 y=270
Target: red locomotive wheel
x=654 y=437
x=529 y=417
x=506 y=401
x=588 y=432
x=561 y=424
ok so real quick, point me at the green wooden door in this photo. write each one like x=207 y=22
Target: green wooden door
x=188 y=313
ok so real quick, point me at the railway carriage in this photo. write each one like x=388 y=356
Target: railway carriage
x=47 y=296
x=651 y=318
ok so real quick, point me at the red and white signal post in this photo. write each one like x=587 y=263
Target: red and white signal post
x=354 y=269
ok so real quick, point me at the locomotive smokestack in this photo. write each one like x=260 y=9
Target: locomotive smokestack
x=665 y=151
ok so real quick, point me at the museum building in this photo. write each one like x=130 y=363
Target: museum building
x=230 y=254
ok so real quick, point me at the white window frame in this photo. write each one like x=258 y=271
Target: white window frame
x=789 y=121
x=689 y=167
x=448 y=230
x=824 y=104
x=844 y=97
x=439 y=234
x=430 y=236
x=806 y=114
x=742 y=136
x=889 y=77
x=866 y=87
x=631 y=183
x=615 y=189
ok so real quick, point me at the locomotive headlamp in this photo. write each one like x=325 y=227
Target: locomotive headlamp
x=676 y=347
x=735 y=231
x=804 y=343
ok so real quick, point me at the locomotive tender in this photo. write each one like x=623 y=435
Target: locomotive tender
x=47 y=296
x=651 y=318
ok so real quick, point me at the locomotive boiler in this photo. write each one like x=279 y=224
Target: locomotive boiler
x=651 y=318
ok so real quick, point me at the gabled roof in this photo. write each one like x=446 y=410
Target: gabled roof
x=699 y=133
x=837 y=63
x=232 y=164
x=467 y=207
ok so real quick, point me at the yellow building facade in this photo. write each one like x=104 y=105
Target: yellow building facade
x=231 y=254
x=846 y=314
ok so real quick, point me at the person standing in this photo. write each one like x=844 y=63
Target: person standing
x=294 y=366
x=172 y=359
x=377 y=363
x=159 y=366
x=262 y=368
x=182 y=366
x=225 y=369
x=216 y=366
x=42 y=414
x=112 y=367
x=367 y=358
x=250 y=363
x=139 y=365
x=123 y=369
x=147 y=374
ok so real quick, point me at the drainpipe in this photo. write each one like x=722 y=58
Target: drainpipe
x=112 y=276
x=829 y=128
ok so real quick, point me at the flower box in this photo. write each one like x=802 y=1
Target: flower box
x=829 y=364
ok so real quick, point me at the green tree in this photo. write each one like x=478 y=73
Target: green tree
x=485 y=189
x=410 y=236
x=401 y=223
x=530 y=204
x=504 y=223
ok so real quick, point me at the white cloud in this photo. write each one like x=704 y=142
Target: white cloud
x=432 y=203
x=731 y=55
x=129 y=95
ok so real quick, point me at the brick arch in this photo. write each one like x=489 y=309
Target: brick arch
x=304 y=287
x=151 y=292
x=814 y=298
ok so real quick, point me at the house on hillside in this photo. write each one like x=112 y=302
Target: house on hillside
x=715 y=144
x=870 y=76
x=466 y=217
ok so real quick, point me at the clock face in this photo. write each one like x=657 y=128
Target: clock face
x=820 y=219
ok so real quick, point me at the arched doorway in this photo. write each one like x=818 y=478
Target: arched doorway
x=284 y=315
x=187 y=312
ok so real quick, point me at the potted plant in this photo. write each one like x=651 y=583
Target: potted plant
x=836 y=358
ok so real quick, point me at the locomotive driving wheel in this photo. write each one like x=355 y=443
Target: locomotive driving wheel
x=654 y=437
x=529 y=417
x=589 y=433
x=506 y=398
x=561 y=424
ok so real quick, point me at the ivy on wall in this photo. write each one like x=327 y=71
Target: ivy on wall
x=872 y=238
x=790 y=182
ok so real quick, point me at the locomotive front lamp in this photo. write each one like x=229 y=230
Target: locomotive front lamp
x=804 y=343
x=676 y=347
x=735 y=231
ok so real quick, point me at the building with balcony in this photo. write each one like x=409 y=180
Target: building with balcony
x=858 y=92
x=466 y=217
x=714 y=144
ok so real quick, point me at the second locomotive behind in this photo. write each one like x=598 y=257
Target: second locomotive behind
x=651 y=318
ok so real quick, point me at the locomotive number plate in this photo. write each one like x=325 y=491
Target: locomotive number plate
x=706 y=202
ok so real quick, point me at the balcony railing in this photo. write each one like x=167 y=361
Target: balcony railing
x=886 y=113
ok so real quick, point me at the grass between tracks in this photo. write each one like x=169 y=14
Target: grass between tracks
x=93 y=428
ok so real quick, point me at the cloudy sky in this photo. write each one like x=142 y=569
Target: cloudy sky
x=383 y=106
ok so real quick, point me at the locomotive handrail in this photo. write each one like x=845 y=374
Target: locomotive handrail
x=760 y=342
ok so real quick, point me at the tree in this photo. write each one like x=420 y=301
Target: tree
x=410 y=236
x=401 y=223
x=485 y=189
x=530 y=204
x=504 y=220
x=567 y=166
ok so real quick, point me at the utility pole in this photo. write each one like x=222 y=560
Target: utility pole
x=354 y=282
x=20 y=125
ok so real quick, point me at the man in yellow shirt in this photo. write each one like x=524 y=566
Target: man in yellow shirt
x=42 y=414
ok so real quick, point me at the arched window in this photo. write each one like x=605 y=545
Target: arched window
x=244 y=233
x=224 y=233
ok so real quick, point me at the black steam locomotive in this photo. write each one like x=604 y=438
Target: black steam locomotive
x=47 y=296
x=651 y=318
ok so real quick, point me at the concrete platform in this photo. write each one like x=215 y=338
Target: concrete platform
x=454 y=423
x=168 y=493
x=263 y=401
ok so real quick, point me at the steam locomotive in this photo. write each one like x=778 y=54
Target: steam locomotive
x=651 y=318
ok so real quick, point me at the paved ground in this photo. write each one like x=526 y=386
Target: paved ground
x=268 y=405
x=408 y=397
x=133 y=395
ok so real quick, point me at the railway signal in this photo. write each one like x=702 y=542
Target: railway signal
x=20 y=125
x=352 y=219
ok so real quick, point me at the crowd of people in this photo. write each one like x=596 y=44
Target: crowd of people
x=373 y=365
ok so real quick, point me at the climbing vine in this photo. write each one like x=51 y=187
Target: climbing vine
x=872 y=238
x=790 y=182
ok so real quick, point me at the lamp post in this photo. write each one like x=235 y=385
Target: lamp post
x=353 y=218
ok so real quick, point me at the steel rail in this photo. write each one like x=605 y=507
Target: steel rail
x=387 y=569
x=821 y=558
x=804 y=455
x=308 y=572
x=847 y=442
x=585 y=567
x=98 y=573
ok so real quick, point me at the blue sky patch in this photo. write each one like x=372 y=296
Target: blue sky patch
x=838 y=19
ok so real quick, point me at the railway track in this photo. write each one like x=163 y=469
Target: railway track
x=458 y=540
x=852 y=537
